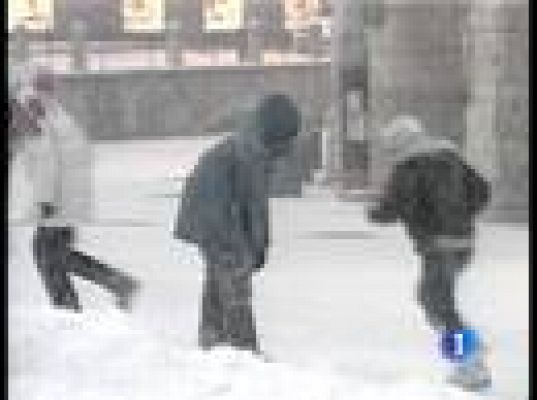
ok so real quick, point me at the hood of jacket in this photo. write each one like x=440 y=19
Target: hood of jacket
x=407 y=138
x=248 y=140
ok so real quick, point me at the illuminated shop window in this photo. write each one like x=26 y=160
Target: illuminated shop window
x=143 y=15
x=223 y=14
x=37 y=15
x=299 y=14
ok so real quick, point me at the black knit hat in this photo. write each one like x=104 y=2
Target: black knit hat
x=277 y=117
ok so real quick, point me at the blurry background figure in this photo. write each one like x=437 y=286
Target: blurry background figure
x=225 y=212
x=53 y=151
x=437 y=196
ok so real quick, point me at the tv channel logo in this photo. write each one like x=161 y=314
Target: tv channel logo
x=459 y=345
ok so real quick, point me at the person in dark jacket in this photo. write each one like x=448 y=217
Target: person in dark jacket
x=437 y=196
x=224 y=210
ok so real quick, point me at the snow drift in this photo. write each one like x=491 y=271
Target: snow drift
x=110 y=356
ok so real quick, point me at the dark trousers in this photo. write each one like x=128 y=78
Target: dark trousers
x=226 y=311
x=436 y=289
x=55 y=260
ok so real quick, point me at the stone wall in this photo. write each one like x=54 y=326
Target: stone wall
x=498 y=126
x=417 y=68
x=125 y=105
x=186 y=101
x=462 y=67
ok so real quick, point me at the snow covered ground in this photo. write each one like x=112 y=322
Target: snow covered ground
x=335 y=304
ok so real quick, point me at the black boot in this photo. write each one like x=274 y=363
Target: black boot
x=125 y=293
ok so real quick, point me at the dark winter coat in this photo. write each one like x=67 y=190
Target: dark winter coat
x=435 y=195
x=224 y=203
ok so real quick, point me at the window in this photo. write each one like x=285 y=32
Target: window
x=36 y=15
x=143 y=15
x=299 y=14
x=223 y=14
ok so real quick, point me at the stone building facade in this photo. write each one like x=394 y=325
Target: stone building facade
x=462 y=67
x=459 y=65
x=497 y=137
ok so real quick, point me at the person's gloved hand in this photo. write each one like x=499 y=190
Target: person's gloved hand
x=260 y=258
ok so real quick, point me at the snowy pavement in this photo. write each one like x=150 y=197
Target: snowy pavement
x=335 y=303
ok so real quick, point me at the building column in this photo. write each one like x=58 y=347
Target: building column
x=79 y=45
x=356 y=25
x=416 y=68
x=254 y=41
x=378 y=104
x=173 y=43
x=21 y=45
x=483 y=64
x=498 y=132
x=333 y=159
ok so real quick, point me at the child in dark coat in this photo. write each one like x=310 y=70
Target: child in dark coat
x=437 y=196
x=224 y=210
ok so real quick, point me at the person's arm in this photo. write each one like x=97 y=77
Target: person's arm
x=22 y=123
x=386 y=209
x=182 y=227
x=400 y=194
x=477 y=189
x=254 y=216
x=14 y=132
x=259 y=230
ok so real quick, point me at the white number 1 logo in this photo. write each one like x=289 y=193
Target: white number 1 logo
x=459 y=344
